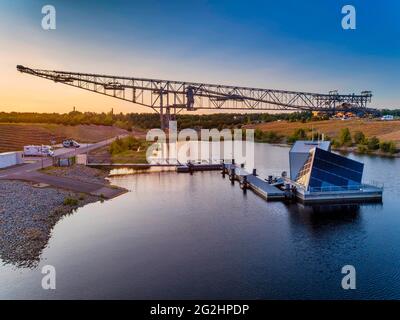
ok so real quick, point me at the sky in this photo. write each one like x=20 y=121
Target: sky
x=291 y=45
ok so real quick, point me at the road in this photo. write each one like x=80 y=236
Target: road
x=29 y=172
x=48 y=161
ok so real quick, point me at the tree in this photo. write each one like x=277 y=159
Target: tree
x=345 y=137
x=362 y=148
x=258 y=134
x=388 y=146
x=299 y=134
x=373 y=143
x=359 y=137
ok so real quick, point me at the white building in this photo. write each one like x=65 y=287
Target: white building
x=8 y=159
x=299 y=153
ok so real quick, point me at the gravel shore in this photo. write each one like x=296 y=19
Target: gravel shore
x=79 y=173
x=27 y=216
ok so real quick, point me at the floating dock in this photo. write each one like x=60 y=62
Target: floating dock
x=289 y=190
x=191 y=167
x=278 y=188
x=363 y=193
x=253 y=182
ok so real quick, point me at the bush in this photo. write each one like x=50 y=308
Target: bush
x=70 y=202
x=362 y=148
x=258 y=134
x=335 y=143
x=345 y=137
x=359 y=137
x=373 y=143
x=272 y=137
x=123 y=125
x=124 y=144
x=267 y=136
x=299 y=134
x=388 y=147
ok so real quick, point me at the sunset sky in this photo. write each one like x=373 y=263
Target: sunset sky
x=294 y=45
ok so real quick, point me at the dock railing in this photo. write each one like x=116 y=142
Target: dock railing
x=343 y=188
x=362 y=186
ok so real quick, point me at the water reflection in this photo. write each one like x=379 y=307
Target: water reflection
x=323 y=216
x=176 y=236
x=130 y=171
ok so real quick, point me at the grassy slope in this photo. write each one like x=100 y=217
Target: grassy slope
x=15 y=136
x=384 y=130
x=130 y=156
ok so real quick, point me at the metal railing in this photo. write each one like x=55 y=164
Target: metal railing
x=342 y=188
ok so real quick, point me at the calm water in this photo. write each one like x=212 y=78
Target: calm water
x=181 y=236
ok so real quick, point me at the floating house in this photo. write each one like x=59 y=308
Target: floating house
x=299 y=153
x=320 y=175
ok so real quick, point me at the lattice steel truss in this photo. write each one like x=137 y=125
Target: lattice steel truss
x=168 y=97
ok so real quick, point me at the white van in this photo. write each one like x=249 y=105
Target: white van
x=69 y=143
x=38 y=151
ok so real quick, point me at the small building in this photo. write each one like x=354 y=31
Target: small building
x=299 y=153
x=8 y=159
x=326 y=176
x=64 y=161
x=324 y=170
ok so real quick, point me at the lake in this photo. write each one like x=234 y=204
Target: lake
x=181 y=236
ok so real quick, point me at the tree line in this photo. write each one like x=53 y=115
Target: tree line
x=151 y=120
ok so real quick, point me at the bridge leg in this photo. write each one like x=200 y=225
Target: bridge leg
x=162 y=123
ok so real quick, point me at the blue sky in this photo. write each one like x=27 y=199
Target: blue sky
x=296 y=45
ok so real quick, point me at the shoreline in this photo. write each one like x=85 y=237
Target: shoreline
x=29 y=211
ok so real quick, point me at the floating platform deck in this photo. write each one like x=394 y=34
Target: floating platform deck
x=198 y=167
x=365 y=193
x=253 y=182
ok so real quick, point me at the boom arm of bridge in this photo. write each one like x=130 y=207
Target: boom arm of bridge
x=175 y=96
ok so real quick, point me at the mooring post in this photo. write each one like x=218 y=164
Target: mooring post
x=232 y=176
x=190 y=168
x=244 y=186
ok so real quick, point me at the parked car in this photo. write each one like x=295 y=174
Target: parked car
x=387 y=117
x=38 y=151
x=69 y=143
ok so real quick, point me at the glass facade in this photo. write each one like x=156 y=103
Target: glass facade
x=324 y=171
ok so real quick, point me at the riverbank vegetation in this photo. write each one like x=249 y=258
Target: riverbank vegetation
x=345 y=141
x=128 y=150
x=271 y=128
x=360 y=143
